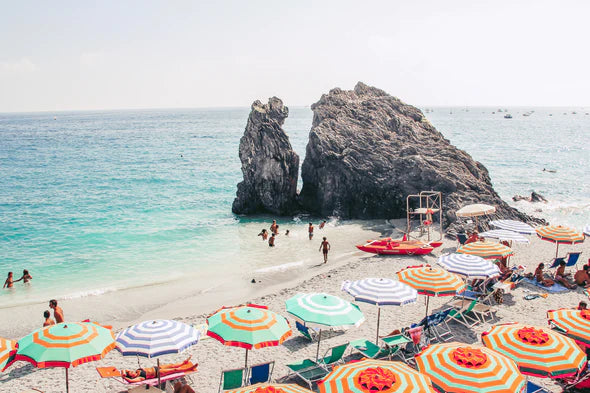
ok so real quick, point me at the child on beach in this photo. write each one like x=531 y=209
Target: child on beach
x=310 y=230
x=9 y=281
x=48 y=320
x=26 y=277
x=326 y=247
x=322 y=224
x=271 y=241
x=58 y=313
x=264 y=234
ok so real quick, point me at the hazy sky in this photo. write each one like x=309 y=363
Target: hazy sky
x=154 y=54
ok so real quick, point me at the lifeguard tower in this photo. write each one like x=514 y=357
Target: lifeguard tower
x=426 y=208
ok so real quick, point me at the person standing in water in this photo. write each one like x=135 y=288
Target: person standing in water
x=26 y=277
x=274 y=228
x=325 y=247
x=271 y=241
x=322 y=224
x=264 y=234
x=9 y=281
x=310 y=230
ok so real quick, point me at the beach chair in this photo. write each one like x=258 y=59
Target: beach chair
x=571 y=259
x=418 y=341
x=369 y=350
x=308 y=370
x=534 y=388
x=335 y=356
x=439 y=326
x=260 y=373
x=306 y=332
x=459 y=310
x=113 y=372
x=395 y=342
x=232 y=379
x=461 y=239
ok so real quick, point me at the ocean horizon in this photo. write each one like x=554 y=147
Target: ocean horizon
x=106 y=200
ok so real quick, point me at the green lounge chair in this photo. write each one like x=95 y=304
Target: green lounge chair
x=309 y=371
x=370 y=350
x=232 y=379
x=335 y=356
x=459 y=311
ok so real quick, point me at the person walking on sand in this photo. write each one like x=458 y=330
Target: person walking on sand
x=322 y=224
x=325 y=247
x=26 y=277
x=271 y=241
x=310 y=231
x=58 y=313
x=264 y=234
x=274 y=228
x=48 y=320
x=9 y=281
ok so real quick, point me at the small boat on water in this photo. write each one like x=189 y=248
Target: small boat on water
x=389 y=246
x=508 y=116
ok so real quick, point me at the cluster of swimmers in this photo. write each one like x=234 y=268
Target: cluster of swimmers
x=274 y=231
x=9 y=283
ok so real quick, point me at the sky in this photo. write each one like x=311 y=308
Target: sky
x=74 y=55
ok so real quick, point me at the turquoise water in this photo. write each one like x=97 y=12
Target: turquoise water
x=97 y=201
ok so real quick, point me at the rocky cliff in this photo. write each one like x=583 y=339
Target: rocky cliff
x=269 y=164
x=368 y=150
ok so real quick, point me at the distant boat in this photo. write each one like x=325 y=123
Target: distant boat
x=508 y=116
x=574 y=113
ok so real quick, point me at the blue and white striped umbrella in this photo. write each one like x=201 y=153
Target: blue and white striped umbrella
x=504 y=234
x=514 y=226
x=381 y=291
x=587 y=230
x=155 y=338
x=468 y=265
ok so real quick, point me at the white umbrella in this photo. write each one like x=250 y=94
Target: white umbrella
x=514 y=226
x=503 y=234
x=468 y=265
x=475 y=210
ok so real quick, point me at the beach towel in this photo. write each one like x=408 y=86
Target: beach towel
x=555 y=288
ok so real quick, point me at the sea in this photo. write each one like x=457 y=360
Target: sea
x=100 y=201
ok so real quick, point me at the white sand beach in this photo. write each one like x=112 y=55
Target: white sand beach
x=274 y=286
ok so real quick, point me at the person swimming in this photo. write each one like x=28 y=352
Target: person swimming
x=271 y=241
x=9 y=281
x=26 y=277
x=264 y=234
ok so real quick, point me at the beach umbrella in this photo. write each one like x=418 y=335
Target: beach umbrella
x=155 y=338
x=587 y=230
x=537 y=351
x=249 y=327
x=574 y=323
x=560 y=235
x=380 y=292
x=470 y=266
x=65 y=345
x=7 y=352
x=486 y=250
x=322 y=310
x=376 y=376
x=475 y=210
x=271 y=388
x=504 y=234
x=514 y=226
x=458 y=367
x=431 y=281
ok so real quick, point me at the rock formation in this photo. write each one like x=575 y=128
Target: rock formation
x=269 y=164
x=368 y=150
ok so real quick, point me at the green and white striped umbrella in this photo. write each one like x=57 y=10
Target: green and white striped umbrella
x=322 y=310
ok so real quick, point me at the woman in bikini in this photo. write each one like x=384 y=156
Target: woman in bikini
x=141 y=374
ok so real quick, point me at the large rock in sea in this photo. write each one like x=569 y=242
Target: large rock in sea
x=269 y=164
x=368 y=151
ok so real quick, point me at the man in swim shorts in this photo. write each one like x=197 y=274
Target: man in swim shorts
x=310 y=231
x=271 y=241
x=325 y=247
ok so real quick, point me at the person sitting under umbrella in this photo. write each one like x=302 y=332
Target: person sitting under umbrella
x=540 y=277
x=141 y=374
x=561 y=276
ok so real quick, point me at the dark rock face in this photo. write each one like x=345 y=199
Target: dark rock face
x=269 y=164
x=368 y=150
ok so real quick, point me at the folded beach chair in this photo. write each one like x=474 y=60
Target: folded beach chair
x=260 y=373
x=306 y=332
x=308 y=370
x=232 y=379
x=369 y=350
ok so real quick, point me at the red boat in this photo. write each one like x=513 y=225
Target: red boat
x=389 y=246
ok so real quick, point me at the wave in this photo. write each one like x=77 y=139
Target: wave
x=280 y=268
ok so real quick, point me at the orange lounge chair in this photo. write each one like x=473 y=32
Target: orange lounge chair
x=113 y=372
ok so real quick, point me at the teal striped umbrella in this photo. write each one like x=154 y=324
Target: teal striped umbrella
x=65 y=345
x=322 y=310
x=375 y=376
x=271 y=388
x=7 y=352
x=248 y=327
x=458 y=367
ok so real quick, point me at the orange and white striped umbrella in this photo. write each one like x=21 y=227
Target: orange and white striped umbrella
x=539 y=352
x=458 y=367
x=486 y=250
x=7 y=351
x=376 y=376
x=271 y=388
x=560 y=235
x=575 y=323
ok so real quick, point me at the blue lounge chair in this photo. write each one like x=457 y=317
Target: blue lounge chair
x=260 y=373
x=534 y=388
x=306 y=332
x=571 y=258
x=461 y=238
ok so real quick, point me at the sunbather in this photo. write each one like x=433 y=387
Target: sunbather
x=582 y=306
x=560 y=276
x=141 y=374
x=540 y=277
x=582 y=278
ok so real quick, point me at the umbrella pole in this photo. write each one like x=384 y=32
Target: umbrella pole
x=158 y=372
x=246 y=364
x=557 y=250
x=427 y=302
x=67 y=382
x=378 y=319
x=317 y=354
